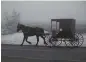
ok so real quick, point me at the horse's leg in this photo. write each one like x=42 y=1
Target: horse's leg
x=23 y=41
x=37 y=40
x=28 y=41
x=44 y=39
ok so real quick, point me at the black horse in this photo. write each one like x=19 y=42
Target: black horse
x=31 y=31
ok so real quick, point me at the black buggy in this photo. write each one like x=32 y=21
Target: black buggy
x=63 y=31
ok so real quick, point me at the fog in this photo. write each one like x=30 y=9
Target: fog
x=40 y=14
x=43 y=12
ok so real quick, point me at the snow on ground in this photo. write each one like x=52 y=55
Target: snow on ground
x=17 y=38
x=84 y=43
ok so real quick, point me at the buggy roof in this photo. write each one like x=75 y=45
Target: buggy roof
x=58 y=20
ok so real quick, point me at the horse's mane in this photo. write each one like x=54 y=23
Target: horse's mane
x=30 y=26
x=21 y=25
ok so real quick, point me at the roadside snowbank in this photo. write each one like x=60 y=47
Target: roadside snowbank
x=17 y=38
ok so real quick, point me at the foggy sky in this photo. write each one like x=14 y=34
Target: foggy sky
x=45 y=11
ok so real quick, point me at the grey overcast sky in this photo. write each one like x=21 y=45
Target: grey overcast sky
x=44 y=11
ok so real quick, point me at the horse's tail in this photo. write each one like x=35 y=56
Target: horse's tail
x=44 y=34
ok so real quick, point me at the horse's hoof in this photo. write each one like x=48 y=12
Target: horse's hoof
x=29 y=42
x=36 y=45
x=45 y=43
x=21 y=45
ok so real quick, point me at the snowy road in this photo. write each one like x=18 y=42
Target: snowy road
x=16 y=53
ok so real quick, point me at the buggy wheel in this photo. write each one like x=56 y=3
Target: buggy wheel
x=72 y=42
x=47 y=39
x=55 y=41
x=80 y=39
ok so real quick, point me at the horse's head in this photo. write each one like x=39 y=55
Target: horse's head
x=19 y=27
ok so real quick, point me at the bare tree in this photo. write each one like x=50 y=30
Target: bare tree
x=11 y=22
